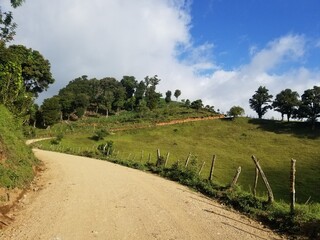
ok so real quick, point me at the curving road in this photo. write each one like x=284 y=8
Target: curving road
x=82 y=198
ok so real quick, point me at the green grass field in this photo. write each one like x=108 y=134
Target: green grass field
x=234 y=142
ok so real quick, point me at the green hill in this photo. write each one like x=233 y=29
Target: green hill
x=234 y=142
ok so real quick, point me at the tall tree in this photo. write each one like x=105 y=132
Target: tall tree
x=36 y=72
x=130 y=84
x=51 y=111
x=177 y=93
x=197 y=104
x=140 y=92
x=119 y=98
x=108 y=86
x=260 y=101
x=286 y=102
x=236 y=111
x=151 y=96
x=310 y=105
x=168 y=96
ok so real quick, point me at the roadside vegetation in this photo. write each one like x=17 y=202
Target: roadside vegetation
x=16 y=159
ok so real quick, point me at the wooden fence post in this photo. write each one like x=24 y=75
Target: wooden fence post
x=199 y=173
x=292 y=184
x=158 y=153
x=149 y=157
x=256 y=177
x=236 y=176
x=212 y=167
x=158 y=156
x=187 y=160
x=265 y=180
x=167 y=158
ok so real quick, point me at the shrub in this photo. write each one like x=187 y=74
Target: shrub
x=107 y=148
x=57 y=139
x=100 y=134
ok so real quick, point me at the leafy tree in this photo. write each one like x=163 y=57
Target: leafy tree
x=168 y=96
x=140 y=91
x=286 y=102
x=11 y=84
x=7 y=26
x=210 y=108
x=130 y=103
x=142 y=108
x=119 y=98
x=260 y=101
x=130 y=84
x=66 y=103
x=310 y=105
x=33 y=112
x=151 y=96
x=187 y=103
x=105 y=102
x=80 y=104
x=236 y=111
x=108 y=87
x=197 y=104
x=35 y=68
x=51 y=111
x=177 y=93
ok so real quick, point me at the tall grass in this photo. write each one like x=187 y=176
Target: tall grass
x=17 y=159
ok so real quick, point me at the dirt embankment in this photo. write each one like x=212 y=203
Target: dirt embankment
x=83 y=198
x=172 y=122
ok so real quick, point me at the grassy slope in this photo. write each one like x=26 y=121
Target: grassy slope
x=233 y=142
x=17 y=158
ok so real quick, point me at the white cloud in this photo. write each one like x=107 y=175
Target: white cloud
x=107 y=38
x=113 y=38
x=228 y=88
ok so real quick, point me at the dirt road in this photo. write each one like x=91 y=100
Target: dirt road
x=82 y=198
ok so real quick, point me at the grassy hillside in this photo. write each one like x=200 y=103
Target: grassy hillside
x=273 y=143
x=16 y=159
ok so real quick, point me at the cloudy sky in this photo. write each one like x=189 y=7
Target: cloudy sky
x=218 y=50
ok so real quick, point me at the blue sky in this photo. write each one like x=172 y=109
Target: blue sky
x=236 y=26
x=218 y=50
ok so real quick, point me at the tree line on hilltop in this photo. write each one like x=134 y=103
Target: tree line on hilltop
x=288 y=103
x=105 y=96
